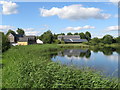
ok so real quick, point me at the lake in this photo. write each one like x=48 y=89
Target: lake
x=104 y=60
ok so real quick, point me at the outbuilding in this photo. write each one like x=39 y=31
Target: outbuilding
x=71 y=38
x=39 y=41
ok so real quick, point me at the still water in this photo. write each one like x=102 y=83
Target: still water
x=104 y=61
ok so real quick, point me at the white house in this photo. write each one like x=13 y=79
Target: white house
x=39 y=41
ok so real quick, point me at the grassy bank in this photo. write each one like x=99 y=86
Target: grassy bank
x=31 y=67
x=84 y=45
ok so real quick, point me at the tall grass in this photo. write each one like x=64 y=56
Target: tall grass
x=31 y=67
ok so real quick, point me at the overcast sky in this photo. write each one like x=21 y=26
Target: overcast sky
x=99 y=18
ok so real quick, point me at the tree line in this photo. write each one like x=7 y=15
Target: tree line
x=49 y=37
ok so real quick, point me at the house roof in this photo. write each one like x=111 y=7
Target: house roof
x=75 y=40
x=30 y=37
x=69 y=36
x=26 y=38
x=16 y=35
x=72 y=38
x=23 y=39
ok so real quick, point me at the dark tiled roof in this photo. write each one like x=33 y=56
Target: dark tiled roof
x=26 y=38
x=30 y=37
x=23 y=39
x=17 y=35
x=69 y=36
x=75 y=40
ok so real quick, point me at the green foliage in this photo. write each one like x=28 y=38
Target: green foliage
x=55 y=36
x=69 y=33
x=57 y=41
x=108 y=39
x=61 y=34
x=5 y=42
x=20 y=31
x=62 y=42
x=117 y=39
x=31 y=67
x=76 y=33
x=88 y=35
x=82 y=35
x=87 y=43
x=10 y=31
x=47 y=37
x=94 y=41
x=101 y=44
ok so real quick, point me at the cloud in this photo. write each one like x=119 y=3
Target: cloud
x=116 y=16
x=28 y=31
x=75 y=12
x=114 y=1
x=79 y=28
x=6 y=27
x=112 y=28
x=113 y=57
x=31 y=31
x=9 y=7
x=45 y=27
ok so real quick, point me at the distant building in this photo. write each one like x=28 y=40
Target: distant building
x=39 y=41
x=16 y=39
x=71 y=38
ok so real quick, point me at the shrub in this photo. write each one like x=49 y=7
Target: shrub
x=5 y=42
x=62 y=42
x=57 y=41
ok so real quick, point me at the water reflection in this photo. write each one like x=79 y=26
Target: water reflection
x=105 y=50
x=102 y=59
x=75 y=53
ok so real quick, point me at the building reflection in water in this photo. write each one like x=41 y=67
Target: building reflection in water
x=75 y=52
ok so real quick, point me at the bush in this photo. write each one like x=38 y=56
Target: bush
x=57 y=41
x=62 y=42
x=108 y=39
x=87 y=43
x=101 y=44
x=5 y=42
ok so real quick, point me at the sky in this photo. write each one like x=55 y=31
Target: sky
x=99 y=18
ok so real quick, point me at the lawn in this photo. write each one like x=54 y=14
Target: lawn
x=31 y=67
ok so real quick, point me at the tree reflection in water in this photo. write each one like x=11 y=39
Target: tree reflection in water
x=85 y=52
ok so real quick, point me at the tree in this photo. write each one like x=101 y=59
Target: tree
x=117 y=39
x=82 y=35
x=69 y=33
x=62 y=34
x=5 y=42
x=47 y=37
x=20 y=31
x=55 y=36
x=76 y=33
x=10 y=31
x=88 y=54
x=94 y=41
x=107 y=50
x=88 y=35
x=108 y=39
x=57 y=41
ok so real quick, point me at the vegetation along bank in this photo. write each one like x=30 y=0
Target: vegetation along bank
x=30 y=67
